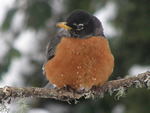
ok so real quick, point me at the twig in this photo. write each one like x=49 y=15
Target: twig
x=139 y=81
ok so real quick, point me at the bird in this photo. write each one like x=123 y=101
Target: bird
x=79 y=56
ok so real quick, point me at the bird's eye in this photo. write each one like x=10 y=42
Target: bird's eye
x=80 y=26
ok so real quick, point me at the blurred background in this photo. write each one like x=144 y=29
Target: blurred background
x=26 y=27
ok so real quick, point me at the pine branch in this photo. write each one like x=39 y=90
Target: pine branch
x=121 y=85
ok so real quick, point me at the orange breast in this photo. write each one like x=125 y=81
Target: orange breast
x=80 y=63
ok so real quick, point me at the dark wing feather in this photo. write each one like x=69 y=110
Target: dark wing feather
x=51 y=47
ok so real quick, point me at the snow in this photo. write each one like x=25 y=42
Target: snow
x=57 y=6
x=26 y=42
x=4 y=48
x=6 y=39
x=57 y=108
x=12 y=77
x=5 y=5
x=18 y=21
x=39 y=111
x=119 y=109
x=106 y=14
x=18 y=67
x=137 y=69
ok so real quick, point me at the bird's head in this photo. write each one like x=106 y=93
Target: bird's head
x=81 y=24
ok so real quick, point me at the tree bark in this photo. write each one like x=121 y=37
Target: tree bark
x=67 y=94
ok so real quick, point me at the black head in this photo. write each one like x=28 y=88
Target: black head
x=83 y=25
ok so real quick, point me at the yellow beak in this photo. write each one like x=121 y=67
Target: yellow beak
x=63 y=25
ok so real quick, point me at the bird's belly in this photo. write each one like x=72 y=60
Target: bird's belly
x=80 y=63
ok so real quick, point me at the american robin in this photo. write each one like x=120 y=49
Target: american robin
x=79 y=56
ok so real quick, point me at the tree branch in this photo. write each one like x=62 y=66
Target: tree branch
x=67 y=94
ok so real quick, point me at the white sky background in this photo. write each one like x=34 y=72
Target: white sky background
x=12 y=77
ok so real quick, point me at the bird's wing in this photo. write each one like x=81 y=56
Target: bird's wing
x=51 y=47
